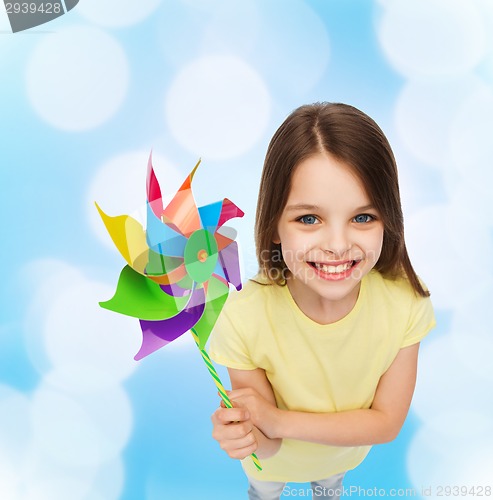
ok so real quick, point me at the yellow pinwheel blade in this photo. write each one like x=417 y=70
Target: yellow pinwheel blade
x=129 y=237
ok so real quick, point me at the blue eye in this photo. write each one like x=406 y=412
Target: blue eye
x=363 y=218
x=308 y=219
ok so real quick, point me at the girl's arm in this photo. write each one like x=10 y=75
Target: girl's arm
x=233 y=427
x=379 y=424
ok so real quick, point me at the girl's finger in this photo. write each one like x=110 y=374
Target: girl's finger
x=229 y=415
x=243 y=452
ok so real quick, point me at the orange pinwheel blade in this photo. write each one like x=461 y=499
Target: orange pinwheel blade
x=182 y=212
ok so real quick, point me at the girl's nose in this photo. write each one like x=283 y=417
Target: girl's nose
x=336 y=243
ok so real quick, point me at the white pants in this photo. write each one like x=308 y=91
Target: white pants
x=271 y=490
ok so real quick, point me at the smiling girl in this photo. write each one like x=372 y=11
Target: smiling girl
x=322 y=346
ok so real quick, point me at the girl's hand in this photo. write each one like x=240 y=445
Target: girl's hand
x=234 y=431
x=264 y=414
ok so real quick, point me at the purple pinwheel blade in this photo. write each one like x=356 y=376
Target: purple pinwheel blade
x=156 y=334
x=230 y=264
x=175 y=290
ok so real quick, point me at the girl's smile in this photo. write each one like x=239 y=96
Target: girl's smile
x=334 y=271
x=330 y=235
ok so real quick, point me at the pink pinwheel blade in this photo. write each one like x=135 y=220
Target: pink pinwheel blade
x=156 y=334
x=153 y=190
x=229 y=211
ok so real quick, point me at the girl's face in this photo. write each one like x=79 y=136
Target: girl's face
x=331 y=236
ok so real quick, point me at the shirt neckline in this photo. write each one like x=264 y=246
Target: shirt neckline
x=313 y=324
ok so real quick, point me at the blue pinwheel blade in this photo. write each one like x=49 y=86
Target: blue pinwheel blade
x=209 y=215
x=163 y=239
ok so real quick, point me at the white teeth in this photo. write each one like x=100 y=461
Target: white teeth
x=333 y=269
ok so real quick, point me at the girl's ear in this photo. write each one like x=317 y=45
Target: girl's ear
x=276 y=239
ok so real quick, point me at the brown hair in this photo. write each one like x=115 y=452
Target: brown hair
x=353 y=138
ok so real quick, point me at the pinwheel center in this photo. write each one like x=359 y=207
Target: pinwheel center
x=201 y=255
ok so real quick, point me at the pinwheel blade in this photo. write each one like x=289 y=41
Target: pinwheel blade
x=229 y=211
x=162 y=238
x=213 y=216
x=230 y=264
x=153 y=190
x=210 y=214
x=157 y=334
x=129 y=237
x=161 y=264
x=219 y=271
x=222 y=240
x=216 y=295
x=142 y=298
x=179 y=287
x=182 y=211
x=174 y=276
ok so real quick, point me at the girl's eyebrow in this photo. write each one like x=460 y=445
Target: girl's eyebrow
x=301 y=206
x=306 y=206
x=366 y=207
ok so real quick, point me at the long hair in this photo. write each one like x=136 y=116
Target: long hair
x=353 y=138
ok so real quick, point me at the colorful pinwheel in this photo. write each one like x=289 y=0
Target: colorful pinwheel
x=179 y=268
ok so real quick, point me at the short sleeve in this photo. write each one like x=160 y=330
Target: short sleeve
x=421 y=321
x=227 y=346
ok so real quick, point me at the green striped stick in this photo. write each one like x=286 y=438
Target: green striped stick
x=220 y=387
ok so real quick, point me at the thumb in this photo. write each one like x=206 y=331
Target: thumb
x=237 y=404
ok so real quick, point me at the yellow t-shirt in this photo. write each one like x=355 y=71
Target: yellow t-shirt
x=318 y=368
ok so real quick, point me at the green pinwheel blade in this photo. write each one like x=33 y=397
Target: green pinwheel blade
x=159 y=264
x=217 y=293
x=140 y=297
